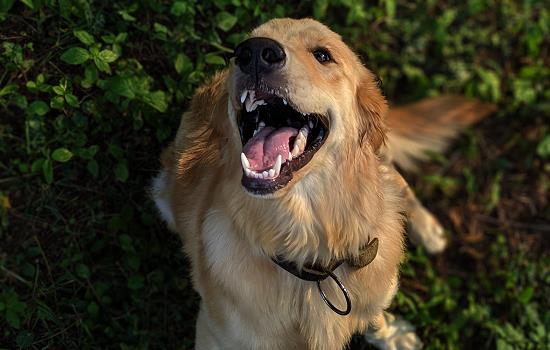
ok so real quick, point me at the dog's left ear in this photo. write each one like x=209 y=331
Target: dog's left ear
x=372 y=108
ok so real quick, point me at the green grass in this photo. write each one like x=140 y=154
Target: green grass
x=91 y=91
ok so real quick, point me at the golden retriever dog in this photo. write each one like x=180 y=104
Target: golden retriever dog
x=281 y=185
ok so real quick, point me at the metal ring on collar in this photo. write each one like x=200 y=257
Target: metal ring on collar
x=344 y=291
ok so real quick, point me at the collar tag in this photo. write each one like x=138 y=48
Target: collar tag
x=366 y=255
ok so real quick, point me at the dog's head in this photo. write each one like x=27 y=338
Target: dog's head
x=300 y=102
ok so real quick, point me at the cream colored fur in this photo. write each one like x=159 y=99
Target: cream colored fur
x=345 y=195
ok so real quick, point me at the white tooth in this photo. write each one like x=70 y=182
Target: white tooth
x=271 y=172
x=250 y=101
x=243 y=96
x=289 y=156
x=248 y=172
x=265 y=174
x=244 y=161
x=310 y=124
x=277 y=166
x=297 y=149
x=284 y=101
x=261 y=125
x=256 y=104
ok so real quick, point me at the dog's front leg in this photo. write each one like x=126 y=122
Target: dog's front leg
x=388 y=332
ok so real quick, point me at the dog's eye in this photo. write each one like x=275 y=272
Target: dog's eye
x=322 y=55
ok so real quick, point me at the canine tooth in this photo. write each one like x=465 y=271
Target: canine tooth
x=284 y=101
x=265 y=174
x=271 y=172
x=289 y=156
x=248 y=172
x=277 y=166
x=310 y=124
x=261 y=125
x=244 y=161
x=243 y=96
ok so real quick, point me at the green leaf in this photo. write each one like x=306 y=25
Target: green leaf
x=84 y=37
x=59 y=90
x=90 y=76
x=102 y=65
x=225 y=20
x=8 y=89
x=160 y=28
x=39 y=108
x=135 y=282
x=93 y=168
x=390 y=8
x=491 y=84
x=30 y=4
x=47 y=170
x=126 y=16
x=13 y=319
x=5 y=5
x=58 y=102
x=157 y=100
x=37 y=165
x=525 y=295
x=121 y=172
x=82 y=271
x=75 y=56
x=72 y=100
x=320 y=8
x=24 y=339
x=93 y=309
x=62 y=155
x=543 y=148
x=182 y=63
x=107 y=56
x=122 y=86
x=214 y=59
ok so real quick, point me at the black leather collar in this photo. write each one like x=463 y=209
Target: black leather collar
x=317 y=273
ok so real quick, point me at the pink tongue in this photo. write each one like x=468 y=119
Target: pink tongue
x=266 y=145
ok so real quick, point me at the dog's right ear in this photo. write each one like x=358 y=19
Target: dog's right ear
x=372 y=108
x=211 y=97
x=200 y=135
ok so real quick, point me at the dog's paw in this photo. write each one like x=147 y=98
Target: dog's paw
x=426 y=230
x=396 y=334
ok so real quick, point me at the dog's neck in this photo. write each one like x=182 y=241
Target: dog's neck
x=325 y=215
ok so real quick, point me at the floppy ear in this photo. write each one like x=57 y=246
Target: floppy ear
x=199 y=138
x=372 y=108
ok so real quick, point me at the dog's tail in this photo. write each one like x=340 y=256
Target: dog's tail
x=429 y=125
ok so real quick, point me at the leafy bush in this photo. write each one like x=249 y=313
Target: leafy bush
x=90 y=91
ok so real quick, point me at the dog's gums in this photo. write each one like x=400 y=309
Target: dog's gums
x=277 y=140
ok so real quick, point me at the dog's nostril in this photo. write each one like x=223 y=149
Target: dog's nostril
x=244 y=56
x=271 y=56
x=256 y=56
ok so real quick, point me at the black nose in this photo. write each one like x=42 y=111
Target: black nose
x=257 y=56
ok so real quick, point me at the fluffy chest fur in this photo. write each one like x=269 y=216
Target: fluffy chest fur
x=248 y=302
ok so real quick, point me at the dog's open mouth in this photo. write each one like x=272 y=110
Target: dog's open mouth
x=277 y=140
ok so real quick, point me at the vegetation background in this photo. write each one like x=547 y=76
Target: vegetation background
x=91 y=90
